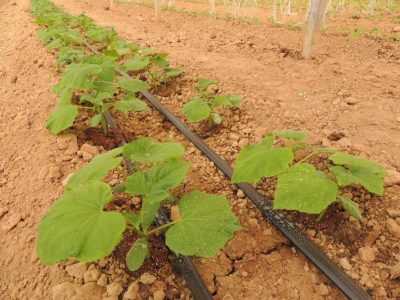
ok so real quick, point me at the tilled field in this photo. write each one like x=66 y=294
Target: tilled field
x=341 y=103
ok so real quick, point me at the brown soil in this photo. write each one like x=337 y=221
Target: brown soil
x=350 y=87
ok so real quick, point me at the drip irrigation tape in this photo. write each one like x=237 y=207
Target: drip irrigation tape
x=311 y=250
x=182 y=264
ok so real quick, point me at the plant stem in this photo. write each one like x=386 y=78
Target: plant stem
x=104 y=124
x=162 y=227
x=307 y=157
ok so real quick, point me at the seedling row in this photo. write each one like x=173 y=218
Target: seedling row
x=79 y=227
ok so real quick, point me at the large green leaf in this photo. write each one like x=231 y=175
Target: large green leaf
x=304 y=189
x=76 y=75
x=77 y=227
x=261 y=160
x=137 y=254
x=131 y=103
x=143 y=150
x=132 y=85
x=154 y=186
x=136 y=63
x=96 y=170
x=159 y=178
x=206 y=223
x=357 y=170
x=340 y=158
x=372 y=181
x=196 y=110
x=62 y=118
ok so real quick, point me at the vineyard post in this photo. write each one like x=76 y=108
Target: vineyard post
x=315 y=19
x=157 y=8
x=212 y=7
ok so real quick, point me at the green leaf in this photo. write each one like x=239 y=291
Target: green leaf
x=76 y=75
x=77 y=227
x=304 y=189
x=206 y=223
x=107 y=65
x=134 y=220
x=65 y=98
x=292 y=135
x=159 y=178
x=95 y=120
x=137 y=254
x=154 y=186
x=137 y=184
x=150 y=206
x=61 y=118
x=132 y=85
x=340 y=158
x=216 y=118
x=160 y=60
x=144 y=150
x=196 y=110
x=97 y=169
x=132 y=103
x=351 y=207
x=136 y=63
x=261 y=160
x=357 y=170
x=172 y=72
x=373 y=182
x=227 y=100
x=97 y=99
x=204 y=83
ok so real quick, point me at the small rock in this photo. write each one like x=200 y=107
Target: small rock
x=175 y=215
x=395 y=271
x=12 y=222
x=394 y=213
x=393 y=227
x=345 y=264
x=86 y=156
x=352 y=101
x=77 y=270
x=89 y=149
x=373 y=235
x=233 y=137
x=367 y=254
x=240 y=194
x=102 y=280
x=159 y=295
x=323 y=290
x=147 y=279
x=92 y=291
x=66 y=291
x=114 y=289
x=54 y=172
x=91 y=275
x=393 y=179
x=132 y=292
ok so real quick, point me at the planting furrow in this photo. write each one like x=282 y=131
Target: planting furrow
x=182 y=264
x=312 y=251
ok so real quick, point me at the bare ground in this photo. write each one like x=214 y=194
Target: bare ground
x=350 y=89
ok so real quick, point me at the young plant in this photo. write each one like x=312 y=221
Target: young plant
x=203 y=107
x=300 y=185
x=79 y=226
x=93 y=82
